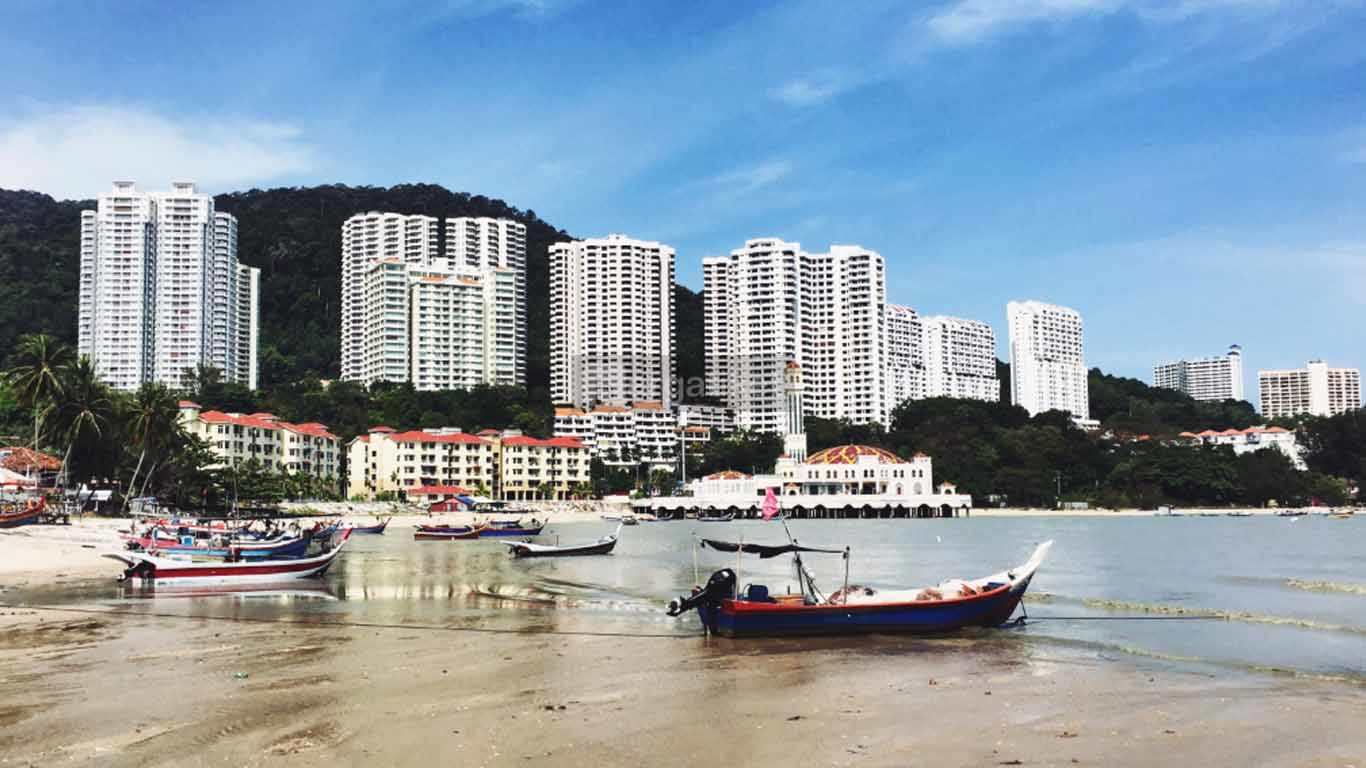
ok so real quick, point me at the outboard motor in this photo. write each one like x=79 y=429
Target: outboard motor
x=720 y=586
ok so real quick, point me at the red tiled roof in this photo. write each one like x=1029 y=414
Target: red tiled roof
x=188 y=404
x=489 y=433
x=569 y=411
x=727 y=474
x=265 y=421
x=312 y=429
x=418 y=436
x=554 y=442
x=437 y=490
x=381 y=428
x=1187 y=434
x=218 y=417
x=20 y=459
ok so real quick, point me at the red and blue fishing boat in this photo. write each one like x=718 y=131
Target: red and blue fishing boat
x=149 y=568
x=160 y=543
x=372 y=529
x=753 y=611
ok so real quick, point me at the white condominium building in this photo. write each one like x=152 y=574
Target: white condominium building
x=752 y=317
x=369 y=238
x=1316 y=390
x=161 y=291
x=960 y=359
x=844 y=330
x=905 y=355
x=488 y=243
x=440 y=322
x=1047 y=365
x=769 y=303
x=611 y=321
x=1206 y=378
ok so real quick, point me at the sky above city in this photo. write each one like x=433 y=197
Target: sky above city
x=1186 y=174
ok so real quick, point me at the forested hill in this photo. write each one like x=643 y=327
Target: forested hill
x=294 y=236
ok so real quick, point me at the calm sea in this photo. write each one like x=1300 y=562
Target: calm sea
x=1288 y=595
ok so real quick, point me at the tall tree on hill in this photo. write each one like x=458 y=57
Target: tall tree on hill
x=35 y=375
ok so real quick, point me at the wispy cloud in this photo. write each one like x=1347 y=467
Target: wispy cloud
x=74 y=152
x=967 y=21
x=807 y=91
x=963 y=22
x=742 y=181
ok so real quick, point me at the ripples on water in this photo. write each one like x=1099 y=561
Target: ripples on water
x=1282 y=596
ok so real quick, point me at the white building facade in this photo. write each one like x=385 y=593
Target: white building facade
x=1205 y=378
x=1047 y=362
x=770 y=303
x=905 y=355
x=410 y=314
x=846 y=480
x=161 y=291
x=611 y=321
x=624 y=436
x=1252 y=439
x=960 y=359
x=1315 y=389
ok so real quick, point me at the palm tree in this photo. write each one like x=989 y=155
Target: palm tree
x=153 y=426
x=36 y=374
x=83 y=411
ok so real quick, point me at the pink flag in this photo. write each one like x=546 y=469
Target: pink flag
x=770 y=504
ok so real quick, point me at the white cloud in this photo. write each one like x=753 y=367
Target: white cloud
x=742 y=181
x=805 y=92
x=968 y=21
x=75 y=152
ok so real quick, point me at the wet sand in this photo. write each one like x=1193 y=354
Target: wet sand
x=139 y=690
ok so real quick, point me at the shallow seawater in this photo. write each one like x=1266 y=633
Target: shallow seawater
x=1282 y=594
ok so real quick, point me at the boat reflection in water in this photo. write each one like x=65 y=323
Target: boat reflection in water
x=299 y=590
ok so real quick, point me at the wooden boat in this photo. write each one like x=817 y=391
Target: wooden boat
x=432 y=533
x=954 y=605
x=511 y=528
x=724 y=517
x=273 y=550
x=154 y=568
x=603 y=546
x=27 y=513
x=375 y=529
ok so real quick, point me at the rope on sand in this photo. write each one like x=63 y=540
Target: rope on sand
x=345 y=623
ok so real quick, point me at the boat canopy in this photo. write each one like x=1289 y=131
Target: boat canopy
x=764 y=551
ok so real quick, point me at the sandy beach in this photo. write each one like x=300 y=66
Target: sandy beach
x=135 y=690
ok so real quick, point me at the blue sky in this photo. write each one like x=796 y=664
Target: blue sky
x=1187 y=174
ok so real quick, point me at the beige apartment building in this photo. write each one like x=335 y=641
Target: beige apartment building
x=278 y=445
x=447 y=462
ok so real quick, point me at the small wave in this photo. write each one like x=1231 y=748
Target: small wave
x=1327 y=586
x=1161 y=609
x=1348 y=678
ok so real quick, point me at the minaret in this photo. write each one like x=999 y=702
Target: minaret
x=794 y=421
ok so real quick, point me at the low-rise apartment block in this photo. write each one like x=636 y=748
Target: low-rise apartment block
x=277 y=445
x=505 y=465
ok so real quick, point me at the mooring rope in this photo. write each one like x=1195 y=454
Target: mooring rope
x=347 y=623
